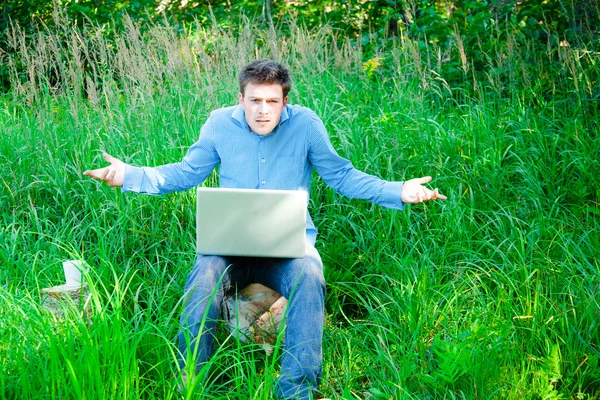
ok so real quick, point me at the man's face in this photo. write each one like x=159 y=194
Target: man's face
x=262 y=104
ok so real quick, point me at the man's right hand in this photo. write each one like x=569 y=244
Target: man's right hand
x=114 y=174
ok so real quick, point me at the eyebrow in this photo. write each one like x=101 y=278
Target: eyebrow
x=263 y=98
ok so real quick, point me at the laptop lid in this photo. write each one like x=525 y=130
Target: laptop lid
x=251 y=222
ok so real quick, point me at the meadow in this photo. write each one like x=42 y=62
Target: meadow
x=492 y=294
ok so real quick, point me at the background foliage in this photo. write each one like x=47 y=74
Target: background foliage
x=492 y=294
x=478 y=26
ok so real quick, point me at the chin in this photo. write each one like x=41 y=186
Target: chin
x=262 y=130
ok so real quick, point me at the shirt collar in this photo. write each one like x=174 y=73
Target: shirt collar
x=284 y=115
x=240 y=116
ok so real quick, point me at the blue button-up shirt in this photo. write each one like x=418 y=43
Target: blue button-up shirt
x=282 y=160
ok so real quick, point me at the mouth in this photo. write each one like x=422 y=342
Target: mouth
x=263 y=121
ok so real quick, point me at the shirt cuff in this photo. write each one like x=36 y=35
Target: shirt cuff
x=391 y=195
x=133 y=179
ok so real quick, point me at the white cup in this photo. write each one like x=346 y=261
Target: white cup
x=73 y=269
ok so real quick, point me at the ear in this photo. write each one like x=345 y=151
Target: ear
x=285 y=100
x=241 y=98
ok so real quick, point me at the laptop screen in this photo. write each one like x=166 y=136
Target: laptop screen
x=251 y=222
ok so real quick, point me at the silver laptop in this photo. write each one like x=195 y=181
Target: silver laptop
x=251 y=222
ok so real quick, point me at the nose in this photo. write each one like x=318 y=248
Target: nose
x=263 y=108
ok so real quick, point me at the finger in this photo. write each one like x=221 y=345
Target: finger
x=104 y=172
x=110 y=175
x=423 y=180
x=95 y=173
x=429 y=195
x=419 y=196
x=108 y=158
x=439 y=196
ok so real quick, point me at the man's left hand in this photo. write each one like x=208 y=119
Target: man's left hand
x=413 y=191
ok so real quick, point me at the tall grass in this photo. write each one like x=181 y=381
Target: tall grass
x=492 y=294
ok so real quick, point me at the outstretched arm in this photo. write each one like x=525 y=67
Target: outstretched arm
x=413 y=191
x=113 y=175
x=341 y=175
x=192 y=170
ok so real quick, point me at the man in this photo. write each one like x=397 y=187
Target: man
x=263 y=143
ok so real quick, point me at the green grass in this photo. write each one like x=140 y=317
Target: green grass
x=492 y=294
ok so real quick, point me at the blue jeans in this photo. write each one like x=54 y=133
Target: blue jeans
x=300 y=280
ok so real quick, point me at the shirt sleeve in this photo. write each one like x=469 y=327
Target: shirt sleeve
x=192 y=170
x=340 y=174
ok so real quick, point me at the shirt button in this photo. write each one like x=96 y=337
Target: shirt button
x=263 y=160
x=263 y=182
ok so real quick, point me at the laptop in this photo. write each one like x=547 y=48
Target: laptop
x=251 y=222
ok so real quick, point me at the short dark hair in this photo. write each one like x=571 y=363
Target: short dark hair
x=265 y=71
